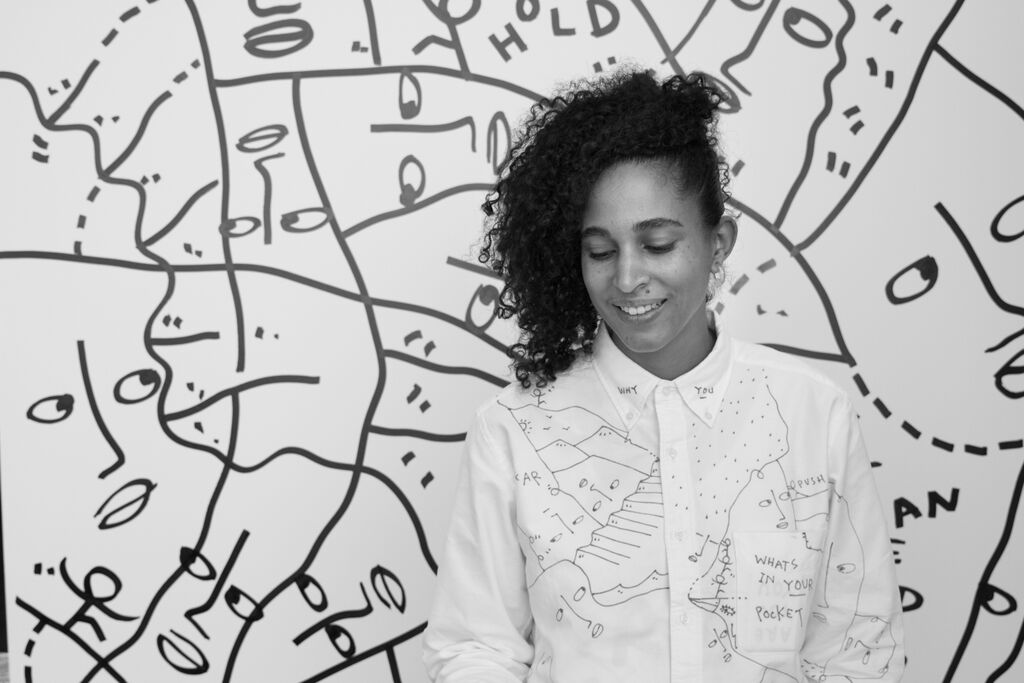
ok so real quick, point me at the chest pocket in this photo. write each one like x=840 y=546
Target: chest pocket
x=776 y=573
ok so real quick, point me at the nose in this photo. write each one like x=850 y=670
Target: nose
x=630 y=272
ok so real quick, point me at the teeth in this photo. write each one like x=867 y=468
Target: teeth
x=639 y=310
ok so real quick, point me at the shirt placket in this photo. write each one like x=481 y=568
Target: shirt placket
x=679 y=506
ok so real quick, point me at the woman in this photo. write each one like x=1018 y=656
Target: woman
x=653 y=500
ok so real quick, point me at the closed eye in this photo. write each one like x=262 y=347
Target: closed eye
x=600 y=255
x=660 y=248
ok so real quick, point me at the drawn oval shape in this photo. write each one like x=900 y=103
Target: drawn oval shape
x=1010 y=377
x=527 y=10
x=597 y=630
x=805 y=28
x=261 y=138
x=499 y=141
x=305 y=220
x=137 y=386
x=614 y=485
x=464 y=10
x=278 y=38
x=182 y=654
x=196 y=564
x=749 y=6
x=125 y=504
x=764 y=503
x=484 y=299
x=556 y=538
x=846 y=568
x=597 y=506
x=51 y=409
x=239 y=227
x=388 y=588
x=559 y=613
x=242 y=605
x=410 y=95
x=102 y=584
x=312 y=592
x=583 y=483
x=412 y=179
x=1008 y=224
x=341 y=639
x=926 y=271
x=580 y=592
x=997 y=601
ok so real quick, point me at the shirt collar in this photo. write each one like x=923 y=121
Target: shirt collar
x=630 y=386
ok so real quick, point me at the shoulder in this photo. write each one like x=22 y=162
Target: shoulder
x=793 y=372
x=575 y=382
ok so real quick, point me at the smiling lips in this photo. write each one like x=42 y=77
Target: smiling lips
x=639 y=310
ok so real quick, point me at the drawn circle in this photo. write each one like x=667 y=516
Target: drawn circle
x=805 y=28
x=1013 y=216
x=928 y=273
x=137 y=386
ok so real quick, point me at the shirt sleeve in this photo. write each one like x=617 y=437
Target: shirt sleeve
x=481 y=621
x=856 y=627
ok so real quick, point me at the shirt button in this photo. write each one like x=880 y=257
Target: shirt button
x=707 y=415
x=679 y=535
x=629 y=415
x=666 y=391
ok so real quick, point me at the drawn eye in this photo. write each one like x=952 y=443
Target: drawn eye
x=388 y=588
x=412 y=179
x=278 y=38
x=1012 y=369
x=182 y=654
x=196 y=564
x=409 y=103
x=125 y=504
x=747 y=5
x=242 y=605
x=305 y=220
x=312 y=592
x=341 y=639
x=583 y=483
x=913 y=281
x=765 y=503
x=484 y=299
x=805 y=28
x=136 y=386
x=997 y=601
x=846 y=568
x=499 y=137
x=1008 y=224
x=261 y=138
x=51 y=409
x=239 y=227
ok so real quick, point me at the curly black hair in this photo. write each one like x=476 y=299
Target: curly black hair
x=534 y=211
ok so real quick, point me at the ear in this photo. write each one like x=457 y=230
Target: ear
x=723 y=237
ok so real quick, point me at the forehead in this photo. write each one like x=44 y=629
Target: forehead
x=628 y=193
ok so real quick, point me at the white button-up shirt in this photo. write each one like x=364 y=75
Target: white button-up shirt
x=722 y=527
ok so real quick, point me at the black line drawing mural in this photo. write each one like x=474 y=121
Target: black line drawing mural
x=243 y=329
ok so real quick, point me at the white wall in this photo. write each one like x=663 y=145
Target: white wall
x=223 y=400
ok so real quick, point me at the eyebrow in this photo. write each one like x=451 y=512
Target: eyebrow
x=640 y=226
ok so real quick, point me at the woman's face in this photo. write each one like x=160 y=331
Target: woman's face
x=646 y=256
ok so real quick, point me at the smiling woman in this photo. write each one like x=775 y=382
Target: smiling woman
x=653 y=500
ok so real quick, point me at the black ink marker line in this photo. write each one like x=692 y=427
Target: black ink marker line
x=477 y=268
x=979 y=81
x=114 y=165
x=812 y=133
x=188 y=339
x=915 y=81
x=371 y=25
x=366 y=654
x=366 y=610
x=238 y=389
x=224 y=573
x=91 y=396
x=268 y=190
x=807 y=353
x=421 y=203
x=417 y=434
x=693 y=29
x=659 y=37
x=749 y=50
x=60 y=628
x=55 y=116
x=465 y=121
x=182 y=212
x=445 y=369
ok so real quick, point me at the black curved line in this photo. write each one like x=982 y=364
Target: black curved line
x=62 y=109
x=393 y=665
x=1014 y=653
x=221 y=578
x=268 y=190
x=79 y=258
x=60 y=628
x=446 y=369
x=439 y=315
x=188 y=339
x=976 y=262
x=116 y=163
x=375 y=71
x=693 y=29
x=979 y=81
x=236 y=390
x=366 y=654
x=371 y=25
x=1006 y=340
x=364 y=611
x=812 y=133
x=887 y=136
x=91 y=396
x=387 y=215
x=173 y=223
x=472 y=267
x=415 y=433
x=749 y=50
x=659 y=37
x=986 y=576
x=833 y=321
x=807 y=353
